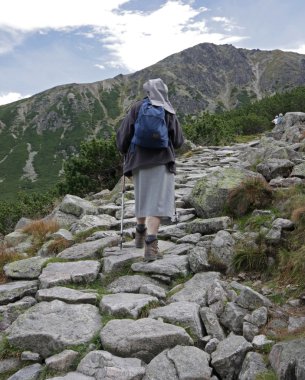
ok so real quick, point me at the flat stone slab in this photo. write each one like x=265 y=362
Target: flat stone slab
x=29 y=269
x=30 y=372
x=195 y=290
x=89 y=250
x=185 y=314
x=66 y=295
x=209 y=226
x=137 y=284
x=50 y=327
x=180 y=249
x=125 y=304
x=104 y=365
x=144 y=338
x=71 y=204
x=163 y=245
x=10 y=312
x=118 y=259
x=87 y=222
x=83 y=271
x=180 y=362
x=170 y=265
x=13 y=291
x=72 y=376
x=9 y=364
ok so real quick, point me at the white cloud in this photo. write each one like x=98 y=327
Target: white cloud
x=102 y=67
x=227 y=23
x=139 y=40
x=11 y=97
x=300 y=49
x=9 y=38
x=35 y=14
x=135 y=39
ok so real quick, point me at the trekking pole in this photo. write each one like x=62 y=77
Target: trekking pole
x=122 y=210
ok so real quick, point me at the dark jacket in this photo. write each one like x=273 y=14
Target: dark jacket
x=138 y=157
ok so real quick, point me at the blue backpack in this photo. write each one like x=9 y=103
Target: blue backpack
x=150 y=127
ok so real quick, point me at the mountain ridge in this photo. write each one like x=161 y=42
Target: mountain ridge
x=205 y=77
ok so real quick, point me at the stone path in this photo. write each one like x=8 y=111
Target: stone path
x=174 y=318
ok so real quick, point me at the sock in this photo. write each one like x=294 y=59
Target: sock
x=140 y=228
x=150 y=238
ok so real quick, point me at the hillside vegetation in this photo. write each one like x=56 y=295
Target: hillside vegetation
x=98 y=164
x=38 y=133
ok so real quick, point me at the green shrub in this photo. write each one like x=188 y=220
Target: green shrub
x=32 y=205
x=97 y=166
x=248 y=119
x=209 y=129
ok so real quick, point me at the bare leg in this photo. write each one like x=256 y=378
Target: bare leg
x=153 y=223
x=141 y=220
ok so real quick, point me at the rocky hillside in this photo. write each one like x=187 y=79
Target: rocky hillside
x=39 y=132
x=78 y=307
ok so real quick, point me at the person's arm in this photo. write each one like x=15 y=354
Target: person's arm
x=126 y=131
x=175 y=131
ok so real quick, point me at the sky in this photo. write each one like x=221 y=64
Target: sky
x=46 y=43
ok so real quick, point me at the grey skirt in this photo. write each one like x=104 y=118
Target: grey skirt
x=154 y=189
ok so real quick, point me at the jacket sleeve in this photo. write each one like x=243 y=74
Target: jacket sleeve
x=175 y=131
x=126 y=131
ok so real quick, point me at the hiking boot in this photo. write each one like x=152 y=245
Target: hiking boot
x=151 y=251
x=140 y=238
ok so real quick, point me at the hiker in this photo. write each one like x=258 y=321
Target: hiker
x=152 y=168
x=280 y=119
x=274 y=121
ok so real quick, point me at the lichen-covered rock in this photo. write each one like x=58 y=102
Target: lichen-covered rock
x=104 y=365
x=288 y=359
x=229 y=355
x=10 y=312
x=31 y=372
x=71 y=204
x=49 y=327
x=127 y=305
x=178 y=363
x=144 y=338
x=209 y=195
x=66 y=295
x=170 y=265
x=185 y=314
x=89 y=250
x=28 y=269
x=253 y=365
x=77 y=272
x=15 y=290
x=274 y=168
x=195 y=290
x=250 y=299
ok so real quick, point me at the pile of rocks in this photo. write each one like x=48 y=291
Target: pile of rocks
x=143 y=324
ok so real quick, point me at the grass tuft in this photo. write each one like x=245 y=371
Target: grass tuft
x=40 y=229
x=291 y=268
x=251 y=194
x=249 y=260
x=298 y=217
x=7 y=256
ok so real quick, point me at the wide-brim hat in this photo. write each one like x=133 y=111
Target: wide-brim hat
x=157 y=92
